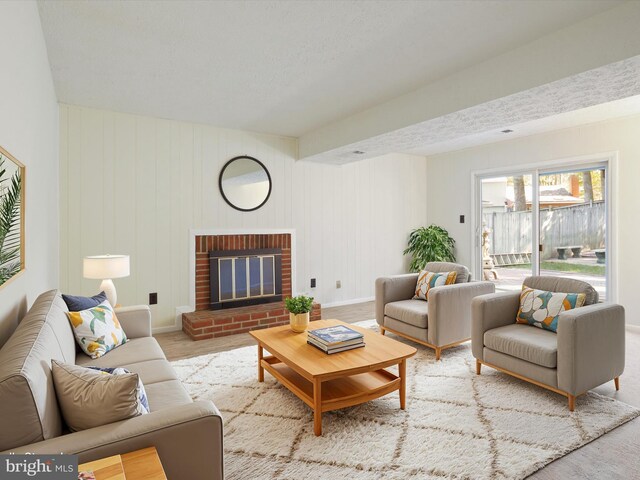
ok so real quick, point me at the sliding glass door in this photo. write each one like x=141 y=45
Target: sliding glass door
x=543 y=222
x=573 y=225
x=507 y=230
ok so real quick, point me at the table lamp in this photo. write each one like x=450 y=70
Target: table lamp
x=106 y=267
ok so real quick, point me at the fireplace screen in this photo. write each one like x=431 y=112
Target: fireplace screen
x=245 y=277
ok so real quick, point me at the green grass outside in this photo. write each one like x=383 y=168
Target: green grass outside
x=565 y=267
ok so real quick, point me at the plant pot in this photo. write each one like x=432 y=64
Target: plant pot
x=299 y=322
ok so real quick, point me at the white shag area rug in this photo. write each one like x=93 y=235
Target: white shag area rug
x=456 y=424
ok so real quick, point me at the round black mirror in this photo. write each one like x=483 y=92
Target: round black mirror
x=245 y=183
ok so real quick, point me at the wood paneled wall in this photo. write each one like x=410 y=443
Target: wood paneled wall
x=136 y=185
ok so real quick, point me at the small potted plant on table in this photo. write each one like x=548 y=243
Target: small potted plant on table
x=299 y=308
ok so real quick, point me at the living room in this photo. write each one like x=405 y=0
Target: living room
x=129 y=124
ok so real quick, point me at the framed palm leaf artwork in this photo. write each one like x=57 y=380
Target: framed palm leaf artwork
x=11 y=216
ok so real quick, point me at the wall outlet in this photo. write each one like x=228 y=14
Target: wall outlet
x=153 y=298
x=338 y=284
x=313 y=283
x=461 y=218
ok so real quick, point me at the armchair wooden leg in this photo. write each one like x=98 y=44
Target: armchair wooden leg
x=616 y=381
x=478 y=367
x=572 y=402
x=438 y=352
x=382 y=330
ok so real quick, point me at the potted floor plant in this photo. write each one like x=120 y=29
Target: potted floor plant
x=429 y=244
x=299 y=308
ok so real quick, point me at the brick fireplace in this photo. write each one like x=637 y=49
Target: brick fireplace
x=205 y=322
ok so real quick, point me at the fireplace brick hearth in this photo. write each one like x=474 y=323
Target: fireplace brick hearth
x=204 y=323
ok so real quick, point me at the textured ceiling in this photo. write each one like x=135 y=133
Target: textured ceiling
x=278 y=67
x=597 y=113
x=536 y=110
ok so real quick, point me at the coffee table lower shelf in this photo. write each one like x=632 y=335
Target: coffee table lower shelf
x=335 y=393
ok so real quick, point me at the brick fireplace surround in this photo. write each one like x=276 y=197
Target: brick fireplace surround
x=204 y=323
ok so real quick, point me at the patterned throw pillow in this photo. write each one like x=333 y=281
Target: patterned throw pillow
x=142 y=394
x=97 y=329
x=542 y=309
x=428 y=280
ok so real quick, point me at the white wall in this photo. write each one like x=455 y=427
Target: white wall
x=136 y=185
x=449 y=177
x=29 y=131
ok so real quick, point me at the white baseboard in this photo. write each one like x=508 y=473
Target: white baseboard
x=177 y=323
x=633 y=328
x=348 y=302
x=169 y=328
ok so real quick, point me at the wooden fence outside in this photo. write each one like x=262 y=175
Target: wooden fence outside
x=511 y=232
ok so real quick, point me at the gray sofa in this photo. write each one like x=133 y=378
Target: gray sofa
x=443 y=321
x=187 y=434
x=587 y=350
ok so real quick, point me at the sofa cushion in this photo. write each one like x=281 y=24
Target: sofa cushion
x=533 y=345
x=153 y=371
x=544 y=375
x=428 y=280
x=89 y=398
x=134 y=351
x=413 y=312
x=167 y=394
x=30 y=410
x=406 y=329
x=542 y=309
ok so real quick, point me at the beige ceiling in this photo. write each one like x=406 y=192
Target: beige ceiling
x=278 y=67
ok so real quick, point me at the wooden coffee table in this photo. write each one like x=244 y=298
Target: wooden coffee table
x=340 y=380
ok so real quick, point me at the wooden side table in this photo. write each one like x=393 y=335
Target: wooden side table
x=139 y=465
x=109 y=468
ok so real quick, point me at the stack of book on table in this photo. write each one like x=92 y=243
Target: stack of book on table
x=335 y=339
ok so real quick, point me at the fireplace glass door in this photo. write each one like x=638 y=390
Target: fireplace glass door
x=247 y=278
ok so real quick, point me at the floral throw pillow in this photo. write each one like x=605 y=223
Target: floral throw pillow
x=97 y=329
x=542 y=309
x=428 y=280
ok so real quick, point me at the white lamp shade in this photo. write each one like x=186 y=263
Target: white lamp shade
x=100 y=267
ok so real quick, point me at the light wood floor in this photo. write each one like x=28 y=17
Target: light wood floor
x=614 y=456
x=177 y=345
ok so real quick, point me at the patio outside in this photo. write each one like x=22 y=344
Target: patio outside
x=572 y=228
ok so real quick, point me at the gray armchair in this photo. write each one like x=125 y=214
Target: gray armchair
x=586 y=351
x=443 y=321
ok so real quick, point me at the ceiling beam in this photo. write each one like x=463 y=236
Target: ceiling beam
x=603 y=39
